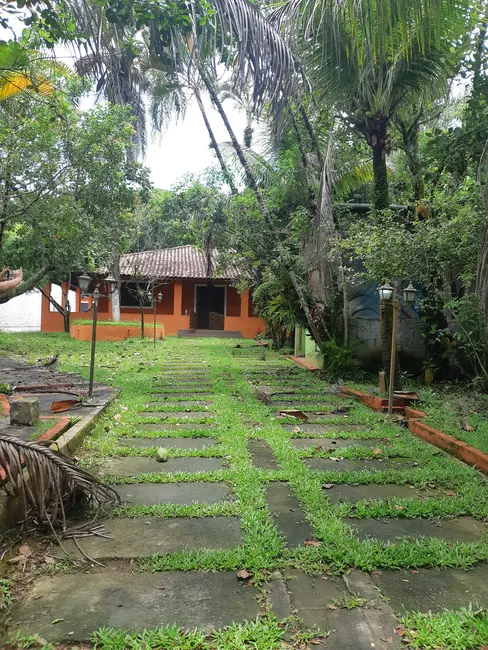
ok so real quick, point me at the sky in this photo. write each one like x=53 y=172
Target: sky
x=184 y=147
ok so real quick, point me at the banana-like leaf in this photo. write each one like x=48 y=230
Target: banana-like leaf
x=17 y=82
x=47 y=482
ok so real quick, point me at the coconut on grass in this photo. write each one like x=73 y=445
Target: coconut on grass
x=162 y=455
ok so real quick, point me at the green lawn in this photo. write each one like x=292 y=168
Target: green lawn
x=238 y=416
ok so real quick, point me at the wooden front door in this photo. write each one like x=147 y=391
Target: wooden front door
x=210 y=307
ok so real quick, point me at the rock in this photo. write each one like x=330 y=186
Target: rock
x=25 y=411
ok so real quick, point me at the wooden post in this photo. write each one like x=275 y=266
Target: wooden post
x=382 y=388
x=396 y=308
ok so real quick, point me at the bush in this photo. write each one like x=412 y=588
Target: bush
x=340 y=360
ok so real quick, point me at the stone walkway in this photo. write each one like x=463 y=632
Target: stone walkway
x=278 y=500
x=48 y=385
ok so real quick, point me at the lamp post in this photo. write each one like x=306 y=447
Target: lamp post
x=155 y=300
x=84 y=282
x=387 y=295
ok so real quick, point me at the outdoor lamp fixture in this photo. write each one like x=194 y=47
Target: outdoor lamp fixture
x=110 y=284
x=155 y=300
x=84 y=282
x=387 y=295
x=386 y=292
x=409 y=294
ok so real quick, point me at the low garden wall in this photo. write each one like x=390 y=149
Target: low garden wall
x=114 y=331
x=458 y=448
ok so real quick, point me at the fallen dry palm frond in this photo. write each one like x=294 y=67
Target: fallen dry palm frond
x=262 y=395
x=47 y=482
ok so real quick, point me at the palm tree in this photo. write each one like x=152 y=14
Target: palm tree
x=365 y=60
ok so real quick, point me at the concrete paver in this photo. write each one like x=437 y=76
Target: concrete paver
x=131 y=466
x=372 y=491
x=346 y=465
x=133 y=602
x=181 y=415
x=329 y=444
x=145 y=536
x=434 y=589
x=262 y=455
x=152 y=494
x=463 y=529
x=288 y=514
x=176 y=443
x=317 y=601
x=174 y=426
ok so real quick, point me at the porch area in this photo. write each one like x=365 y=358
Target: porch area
x=188 y=308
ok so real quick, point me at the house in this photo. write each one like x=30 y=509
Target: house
x=198 y=297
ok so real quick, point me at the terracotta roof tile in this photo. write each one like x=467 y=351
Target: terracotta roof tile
x=179 y=262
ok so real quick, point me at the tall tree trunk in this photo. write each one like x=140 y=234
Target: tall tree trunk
x=225 y=170
x=142 y=321
x=64 y=311
x=381 y=197
x=116 y=293
x=482 y=272
x=386 y=327
x=311 y=133
x=67 y=306
x=410 y=137
x=251 y=180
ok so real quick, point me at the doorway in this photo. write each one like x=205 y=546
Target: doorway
x=210 y=307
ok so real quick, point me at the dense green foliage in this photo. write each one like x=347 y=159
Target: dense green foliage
x=401 y=131
x=59 y=162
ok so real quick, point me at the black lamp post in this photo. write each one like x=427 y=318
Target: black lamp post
x=388 y=295
x=84 y=282
x=155 y=300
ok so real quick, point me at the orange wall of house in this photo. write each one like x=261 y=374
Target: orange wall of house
x=233 y=303
x=188 y=296
x=177 y=297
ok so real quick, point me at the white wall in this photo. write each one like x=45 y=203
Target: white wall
x=22 y=314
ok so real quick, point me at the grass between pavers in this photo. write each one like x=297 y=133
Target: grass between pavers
x=266 y=633
x=239 y=416
x=454 y=630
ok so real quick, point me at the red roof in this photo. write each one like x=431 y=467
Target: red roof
x=178 y=262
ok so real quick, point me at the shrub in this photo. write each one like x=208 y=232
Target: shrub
x=339 y=360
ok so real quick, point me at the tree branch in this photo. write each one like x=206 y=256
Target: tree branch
x=53 y=302
x=28 y=285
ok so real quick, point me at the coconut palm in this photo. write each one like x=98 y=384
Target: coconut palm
x=365 y=59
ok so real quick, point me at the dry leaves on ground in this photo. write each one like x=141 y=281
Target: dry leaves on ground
x=466 y=426
x=294 y=413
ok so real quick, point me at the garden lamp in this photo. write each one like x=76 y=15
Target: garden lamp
x=386 y=292
x=110 y=284
x=84 y=282
x=409 y=294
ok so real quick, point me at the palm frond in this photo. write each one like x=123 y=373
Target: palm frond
x=376 y=28
x=260 y=167
x=46 y=482
x=350 y=177
x=261 y=56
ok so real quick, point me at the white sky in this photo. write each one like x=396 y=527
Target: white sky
x=184 y=147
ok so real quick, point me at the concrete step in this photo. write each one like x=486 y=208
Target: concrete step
x=220 y=334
